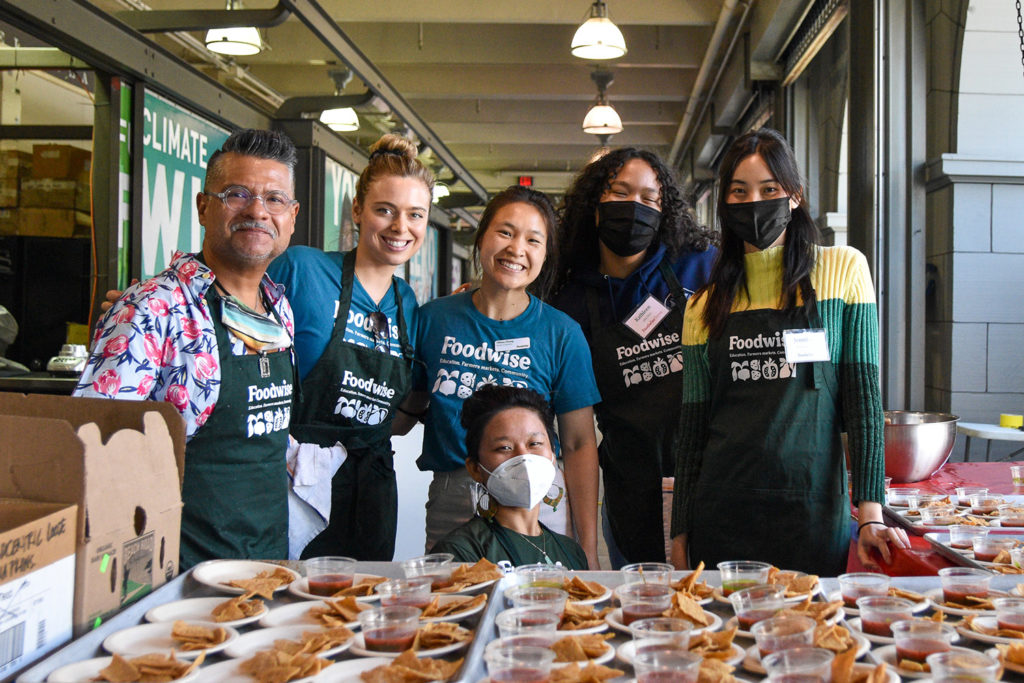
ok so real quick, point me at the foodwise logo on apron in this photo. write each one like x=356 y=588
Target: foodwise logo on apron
x=760 y=358
x=650 y=359
x=364 y=399
x=269 y=409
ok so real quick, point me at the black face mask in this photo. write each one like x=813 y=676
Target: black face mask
x=758 y=223
x=627 y=228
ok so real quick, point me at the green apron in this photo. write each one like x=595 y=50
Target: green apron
x=236 y=483
x=350 y=396
x=772 y=483
x=638 y=413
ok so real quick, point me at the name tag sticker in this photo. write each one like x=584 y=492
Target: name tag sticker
x=646 y=317
x=512 y=344
x=805 y=346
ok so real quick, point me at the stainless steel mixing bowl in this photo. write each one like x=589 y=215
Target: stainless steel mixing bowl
x=917 y=444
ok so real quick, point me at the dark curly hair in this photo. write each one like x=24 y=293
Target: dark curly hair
x=479 y=409
x=517 y=194
x=678 y=231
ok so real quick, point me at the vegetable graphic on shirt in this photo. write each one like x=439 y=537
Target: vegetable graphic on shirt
x=740 y=370
x=770 y=369
x=631 y=376
x=344 y=407
x=468 y=380
x=445 y=385
x=786 y=370
x=660 y=367
x=755 y=369
x=676 y=362
x=645 y=368
x=489 y=379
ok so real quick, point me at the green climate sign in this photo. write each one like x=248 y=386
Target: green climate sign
x=339 y=191
x=175 y=146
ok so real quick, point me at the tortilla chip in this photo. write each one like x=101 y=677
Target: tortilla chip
x=685 y=607
x=715 y=671
x=149 y=668
x=338 y=612
x=239 y=607
x=366 y=586
x=842 y=666
x=713 y=645
x=407 y=668
x=466 y=575
x=452 y=606
x=265 y=583
x=1013 y=653
x=835 y=638
x=578 y=589
x=908 y=595
x=578 y=616
x=591 y=673
x=910 y=665
x=196 y=637
x=819 y=611
x=439 y=634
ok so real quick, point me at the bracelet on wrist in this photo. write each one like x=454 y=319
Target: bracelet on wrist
x=861 y=526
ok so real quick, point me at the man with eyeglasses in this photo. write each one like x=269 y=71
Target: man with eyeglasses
x=213 y=336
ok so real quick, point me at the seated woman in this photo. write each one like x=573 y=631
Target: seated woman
x=509 y=432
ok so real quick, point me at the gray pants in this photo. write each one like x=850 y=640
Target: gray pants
x=451 y=503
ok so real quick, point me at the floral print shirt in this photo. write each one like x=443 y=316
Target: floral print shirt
x=158 y=343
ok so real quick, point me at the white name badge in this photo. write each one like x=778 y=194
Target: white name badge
x=512 y=344
x=805 y=346
x=646 y=316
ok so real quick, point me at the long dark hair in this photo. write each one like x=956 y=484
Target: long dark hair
x=802 y=235
x=480 y=408
x=517 y=194
x=678 y=230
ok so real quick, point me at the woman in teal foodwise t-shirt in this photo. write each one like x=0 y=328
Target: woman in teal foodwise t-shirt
x=499 y=333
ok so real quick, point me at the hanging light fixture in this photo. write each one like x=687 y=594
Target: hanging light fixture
x=341 y=119
x=598 y=37
x=602 y=119
x=238 y=41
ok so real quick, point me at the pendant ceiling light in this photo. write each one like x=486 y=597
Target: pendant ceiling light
x=598 y=37
x=602 y=119
x=343 y=120
x=238 y=41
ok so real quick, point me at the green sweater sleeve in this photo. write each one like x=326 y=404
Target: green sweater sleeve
x=692 y=433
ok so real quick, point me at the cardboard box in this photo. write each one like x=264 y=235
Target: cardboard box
x=53 y=222
x=121 y=462
x=37 y=578
x=59 y=161
x=9 y=191
x=48 y=193
x=15 y=164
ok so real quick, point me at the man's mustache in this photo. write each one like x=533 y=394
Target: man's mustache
x=255 y=225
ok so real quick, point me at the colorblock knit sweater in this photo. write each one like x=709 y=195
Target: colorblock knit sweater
x=846 y=303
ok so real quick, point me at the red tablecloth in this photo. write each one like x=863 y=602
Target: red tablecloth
x=920 y=559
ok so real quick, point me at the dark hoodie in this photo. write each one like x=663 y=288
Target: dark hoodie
x=619 y=296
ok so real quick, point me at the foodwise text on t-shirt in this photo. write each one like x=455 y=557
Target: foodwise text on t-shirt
x=485 y=352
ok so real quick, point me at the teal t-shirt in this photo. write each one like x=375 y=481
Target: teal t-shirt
x=479 y=538
x=459 y=349
x=312 y=280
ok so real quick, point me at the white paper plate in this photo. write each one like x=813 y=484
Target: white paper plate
x=359 y=648
x=196 y=609
x=297 y=614
x=627 y=651
x=935 y=600
x=90 y=668
x=229 y=671
x=593 y=601
x=608 y=654
x=263 y=639
x=986 y=622
x=472 y=588
x=887 y=654
x=140 y=640
x=919 y=606
x=600 y=628
x=458 y=616
x=300 y=588
x=614 y=619
x=215 y=573
x=348 y=671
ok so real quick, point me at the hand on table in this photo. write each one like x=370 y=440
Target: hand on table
x=879 y=537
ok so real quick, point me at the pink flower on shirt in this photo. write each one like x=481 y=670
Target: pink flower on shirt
x=170 y=352
x=206 y=365
x=188 y=270
x=190 y=328
x=124 y=315
x=202 y=417
x=177 y=395
x=153 y=351
x=115 y=346
x=145 y=384
x=108 y=383
x=158 y=306
x=179 y=296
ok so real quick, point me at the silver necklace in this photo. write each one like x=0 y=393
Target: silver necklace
x=544 y=543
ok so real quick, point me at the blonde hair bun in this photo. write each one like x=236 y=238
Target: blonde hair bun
x=391 y=143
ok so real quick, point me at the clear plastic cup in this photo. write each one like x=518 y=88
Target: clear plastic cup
x=518 y=664
x=783 y=633
x=860 y=585
x=1017 y=475
x=938 y=515
x=961 y=536
x=662 y=630
x=960 y=582
x=436 y=567
x=963 y=493
x=976 y=666
x=923 y=500
x=666 y=664
x=543 y=575
x=915 y=639
x=902 y=497
x=643 y=600
x=647 y=572
x=806 y=663
x=757 y=603
x=407 y=592
x=525 y=620
x=532 y=639
x=1009 y=613
x=984 y=503
x=739 y=574
x=389 y=629
x=540 y=597
x=1011 y=516
x=879 y=613
x=989 y=546
x=328 y=575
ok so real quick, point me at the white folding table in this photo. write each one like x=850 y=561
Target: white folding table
x=990 y=433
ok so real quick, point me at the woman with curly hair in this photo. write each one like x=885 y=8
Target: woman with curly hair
x=631 y=254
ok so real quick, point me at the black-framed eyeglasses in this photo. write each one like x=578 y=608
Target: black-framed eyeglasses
x=381 y=332
x=237 y=198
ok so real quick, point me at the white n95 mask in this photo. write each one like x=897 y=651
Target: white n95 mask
x=522 y=481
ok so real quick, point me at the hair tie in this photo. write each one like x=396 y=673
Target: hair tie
x=382 y=152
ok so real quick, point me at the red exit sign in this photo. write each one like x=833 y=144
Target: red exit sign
x=526 y=180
